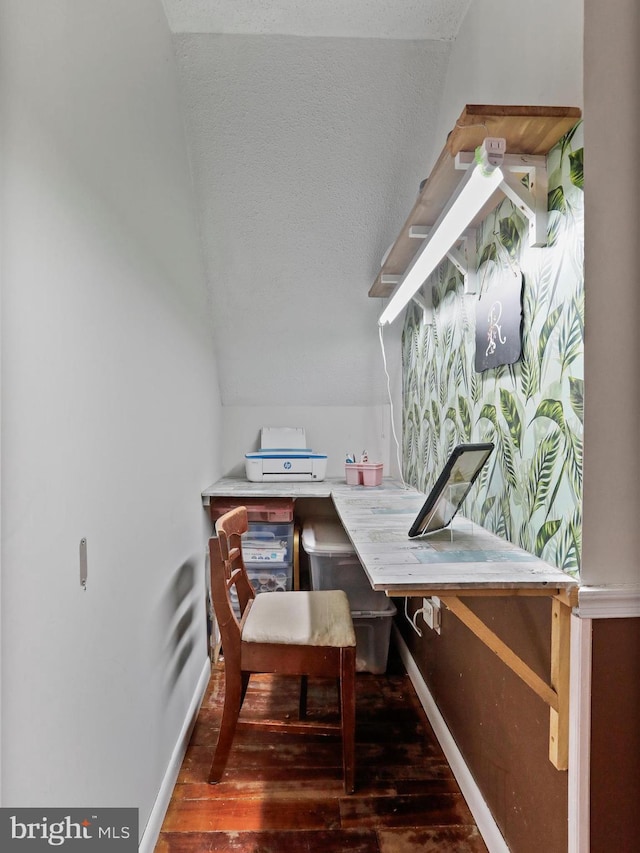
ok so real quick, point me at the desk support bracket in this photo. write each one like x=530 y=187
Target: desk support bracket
x=560 y=671
x=556 y=694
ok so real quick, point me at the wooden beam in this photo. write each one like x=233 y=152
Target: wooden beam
x=502 y=650
x=292 y=727
x=569 y=597
x=474 y=592
x=560 y=668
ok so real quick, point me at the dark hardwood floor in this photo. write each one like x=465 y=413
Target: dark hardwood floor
x=283 y=793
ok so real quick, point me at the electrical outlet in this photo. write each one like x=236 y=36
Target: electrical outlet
x=431 y=613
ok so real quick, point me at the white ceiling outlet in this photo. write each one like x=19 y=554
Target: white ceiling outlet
x=378 y=19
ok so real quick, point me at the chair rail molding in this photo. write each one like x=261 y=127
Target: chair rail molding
x=618 y=601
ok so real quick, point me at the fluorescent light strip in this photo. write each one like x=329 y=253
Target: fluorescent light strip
x=474 y=191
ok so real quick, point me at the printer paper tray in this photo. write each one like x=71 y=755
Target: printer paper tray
x=281 y=478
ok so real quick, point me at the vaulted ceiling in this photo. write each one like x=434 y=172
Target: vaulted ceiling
x=310 y=124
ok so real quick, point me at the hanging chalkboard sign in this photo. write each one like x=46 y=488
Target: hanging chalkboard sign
x=499 y=323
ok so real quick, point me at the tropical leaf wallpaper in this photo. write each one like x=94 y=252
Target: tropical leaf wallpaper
x=530 y=492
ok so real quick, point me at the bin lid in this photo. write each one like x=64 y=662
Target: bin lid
x=389 y=609
x=327 y=537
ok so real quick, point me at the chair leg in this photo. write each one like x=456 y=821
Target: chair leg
x=348 y=716
x=245 y=684
x=234 y=689
x=302 y=709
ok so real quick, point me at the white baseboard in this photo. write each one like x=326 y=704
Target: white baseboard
x=484 y=819
x=154 y=824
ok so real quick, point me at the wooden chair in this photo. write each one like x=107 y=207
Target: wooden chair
x=289 y=633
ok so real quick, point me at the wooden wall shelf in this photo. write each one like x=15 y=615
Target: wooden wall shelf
x=527 y=130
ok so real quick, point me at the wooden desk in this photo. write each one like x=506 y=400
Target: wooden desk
x=234 y=487
x=464 y=558
x=237 y=488
x=463 y=561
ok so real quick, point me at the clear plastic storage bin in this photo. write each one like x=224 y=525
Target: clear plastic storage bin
x=271 y=578
x=266 y=578
x=373 y=634
x=335 y=565
x=267 y=543
x=274 y=510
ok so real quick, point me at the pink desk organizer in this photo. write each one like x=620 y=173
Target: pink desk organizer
x=363 y=473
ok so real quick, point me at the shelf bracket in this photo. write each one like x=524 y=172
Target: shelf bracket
x=418 y=298
x=530 y=195
x=555 y=694
x=427 y=311
x=464 y=261
x=393 y=280
x=419 y=232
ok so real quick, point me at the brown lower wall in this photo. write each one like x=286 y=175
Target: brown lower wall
x=615 y=736
x=498 y=723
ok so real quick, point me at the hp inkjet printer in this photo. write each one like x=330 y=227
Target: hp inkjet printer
x=284 y=457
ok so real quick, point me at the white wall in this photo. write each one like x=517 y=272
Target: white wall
x=520 y=52
x=110 y=412
x=272 y=224
x=308 y=154
x=333 y=430
x=611 y=533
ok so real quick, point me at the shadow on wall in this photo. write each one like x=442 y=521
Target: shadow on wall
x=182 y=621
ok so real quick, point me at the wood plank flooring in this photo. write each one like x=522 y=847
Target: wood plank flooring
x=283 y=793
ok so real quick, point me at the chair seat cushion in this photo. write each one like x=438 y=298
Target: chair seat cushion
x=317 y=618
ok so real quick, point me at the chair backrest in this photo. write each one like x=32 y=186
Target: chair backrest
x=228 y=573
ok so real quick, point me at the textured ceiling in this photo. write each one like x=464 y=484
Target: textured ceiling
x=394 y=19
x=306 y=152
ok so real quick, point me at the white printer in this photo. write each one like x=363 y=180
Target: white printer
x=283 y=456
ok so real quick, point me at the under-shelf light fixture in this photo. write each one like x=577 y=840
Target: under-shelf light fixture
x=473 y=192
